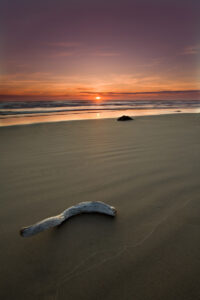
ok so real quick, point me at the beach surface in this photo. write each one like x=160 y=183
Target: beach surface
x=147 y=168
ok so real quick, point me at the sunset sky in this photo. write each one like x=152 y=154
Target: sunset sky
x=81 y=49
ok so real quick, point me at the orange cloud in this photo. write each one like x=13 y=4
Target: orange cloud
x=44 y=85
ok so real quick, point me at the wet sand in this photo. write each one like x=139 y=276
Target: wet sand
x=147 y=168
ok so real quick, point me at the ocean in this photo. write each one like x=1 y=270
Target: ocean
x=29 y=112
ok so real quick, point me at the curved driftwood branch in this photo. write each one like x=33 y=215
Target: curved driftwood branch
x=83 y=207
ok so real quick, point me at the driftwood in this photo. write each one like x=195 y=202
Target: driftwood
x=83 y=207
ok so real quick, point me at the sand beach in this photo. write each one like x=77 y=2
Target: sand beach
x=147 y=168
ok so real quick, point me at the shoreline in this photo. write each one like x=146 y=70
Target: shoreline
x=117 y=114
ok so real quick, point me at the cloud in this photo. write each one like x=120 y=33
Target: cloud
x=106 y=54
x=143 y=93
x=78 y=48
x=65 y=44
x=63 y=49
x=191 y=50
x=64 y=95
x=62 y=54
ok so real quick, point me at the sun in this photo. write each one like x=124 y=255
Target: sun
x=98 y=98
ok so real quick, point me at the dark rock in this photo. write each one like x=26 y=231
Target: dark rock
x=177 y=110
x=124 y=118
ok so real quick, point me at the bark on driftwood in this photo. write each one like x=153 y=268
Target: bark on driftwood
x=83 y=207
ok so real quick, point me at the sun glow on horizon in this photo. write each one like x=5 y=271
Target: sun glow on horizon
x=98 y=98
